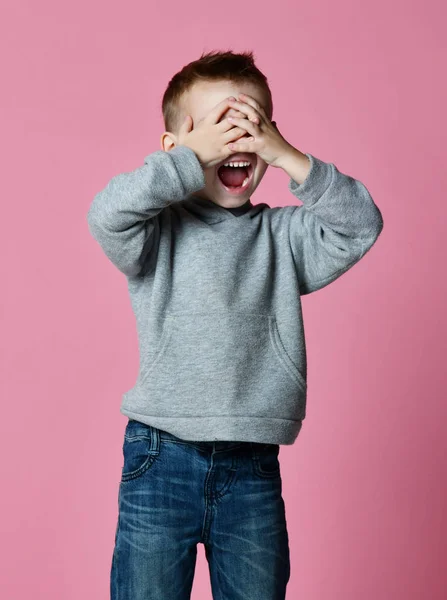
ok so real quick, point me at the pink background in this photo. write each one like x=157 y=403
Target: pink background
x=359 y=84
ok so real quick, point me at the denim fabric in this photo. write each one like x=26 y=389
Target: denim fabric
x=176 y=493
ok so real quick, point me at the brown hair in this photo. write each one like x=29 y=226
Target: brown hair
x=211 y=66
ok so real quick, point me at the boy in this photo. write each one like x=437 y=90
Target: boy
x=215 y=285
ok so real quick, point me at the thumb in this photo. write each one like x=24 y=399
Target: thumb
x=186 y=125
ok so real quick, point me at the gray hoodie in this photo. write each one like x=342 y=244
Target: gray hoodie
x=216 y=295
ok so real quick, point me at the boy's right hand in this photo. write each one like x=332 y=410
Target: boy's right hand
x=210 y=139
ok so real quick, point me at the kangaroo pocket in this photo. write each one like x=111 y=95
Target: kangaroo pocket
x=215 y=364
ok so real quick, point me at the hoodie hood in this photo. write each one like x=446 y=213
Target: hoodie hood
x=210 y=212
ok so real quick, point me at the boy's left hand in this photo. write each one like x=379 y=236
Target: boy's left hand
x=265 y=140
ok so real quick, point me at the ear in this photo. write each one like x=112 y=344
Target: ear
x=167 y=141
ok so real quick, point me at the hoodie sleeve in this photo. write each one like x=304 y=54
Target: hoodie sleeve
x=337 y=224
x=123 y=217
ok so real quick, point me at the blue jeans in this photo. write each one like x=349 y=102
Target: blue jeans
x=176 y=493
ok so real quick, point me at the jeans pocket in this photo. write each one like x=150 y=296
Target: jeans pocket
x=141 y=447
x=266 y=461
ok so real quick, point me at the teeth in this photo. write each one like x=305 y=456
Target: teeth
x=236 y=164
x=245 y=181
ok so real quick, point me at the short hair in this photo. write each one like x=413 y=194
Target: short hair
x=215 y=65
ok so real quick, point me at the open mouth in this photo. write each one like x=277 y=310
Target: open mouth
x=236 y=179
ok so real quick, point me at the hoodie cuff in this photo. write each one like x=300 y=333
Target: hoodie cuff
x=316 y=183
x=188 y=167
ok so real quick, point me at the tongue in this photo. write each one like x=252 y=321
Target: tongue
x=232 y=176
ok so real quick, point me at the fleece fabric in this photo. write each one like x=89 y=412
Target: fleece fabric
x=217 y=295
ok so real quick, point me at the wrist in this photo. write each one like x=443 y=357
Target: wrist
x=296 y=164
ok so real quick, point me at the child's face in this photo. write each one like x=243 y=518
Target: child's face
x=198 y=102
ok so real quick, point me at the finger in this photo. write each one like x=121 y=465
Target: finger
x=186 y=125
x=245 y=124
x=233 y=134
x=248 y=145
x=246 y=109
x=253 y=103
x=216 y=113
x=232 y=112
x=225 y=125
